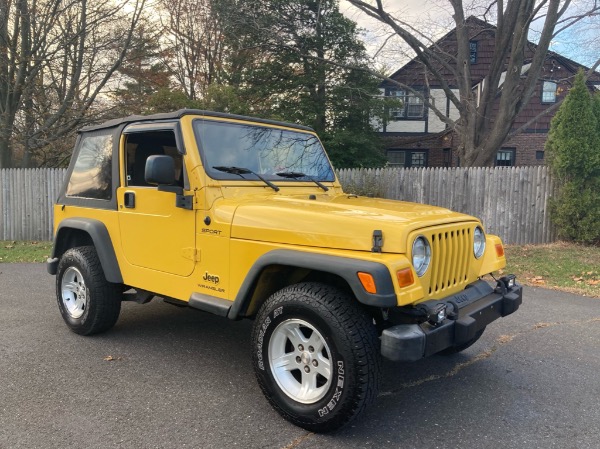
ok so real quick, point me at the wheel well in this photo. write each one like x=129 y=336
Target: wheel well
x=68 y=238
x=275 y=277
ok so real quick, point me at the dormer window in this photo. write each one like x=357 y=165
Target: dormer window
x=473 y=52
x=549 y=92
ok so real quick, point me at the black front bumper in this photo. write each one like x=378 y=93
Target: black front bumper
x=478 y=305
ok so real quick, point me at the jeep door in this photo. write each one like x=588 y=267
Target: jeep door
x=155 y=233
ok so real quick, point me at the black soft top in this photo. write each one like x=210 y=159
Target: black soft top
x=180 y=113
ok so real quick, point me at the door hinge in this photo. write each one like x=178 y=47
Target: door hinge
x=191 y=254
x=184 y=201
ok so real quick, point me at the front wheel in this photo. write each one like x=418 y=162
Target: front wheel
x=316 y=356
x=88 y=303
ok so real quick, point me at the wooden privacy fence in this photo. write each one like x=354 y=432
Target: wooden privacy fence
x=26 y=200
x=511 y=202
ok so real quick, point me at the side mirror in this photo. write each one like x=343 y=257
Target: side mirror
x=160 y=170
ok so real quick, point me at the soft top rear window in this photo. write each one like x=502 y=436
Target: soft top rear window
x=92 y=172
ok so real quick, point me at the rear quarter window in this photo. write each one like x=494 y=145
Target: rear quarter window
x=91 y=176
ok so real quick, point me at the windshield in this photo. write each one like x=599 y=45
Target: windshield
x=260 y=149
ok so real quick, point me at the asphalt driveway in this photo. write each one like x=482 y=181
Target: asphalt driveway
x=168 y=377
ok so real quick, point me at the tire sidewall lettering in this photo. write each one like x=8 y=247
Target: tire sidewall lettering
x=260 y=340
x=337 y=393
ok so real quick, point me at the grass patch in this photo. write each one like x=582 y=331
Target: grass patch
x=17 y=251
x=563 y=266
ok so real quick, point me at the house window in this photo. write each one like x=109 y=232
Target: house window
x=539 y=155
x=473 y=52
x=447 y=157
x=407 y=158
x=412 y=106
x=418 y=159
x=397 y=158
x=549 y=92
x=505 y=157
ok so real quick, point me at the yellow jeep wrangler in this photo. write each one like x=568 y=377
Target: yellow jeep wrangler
x=245 y=218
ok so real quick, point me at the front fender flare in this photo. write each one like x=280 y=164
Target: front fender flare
x=345 y=267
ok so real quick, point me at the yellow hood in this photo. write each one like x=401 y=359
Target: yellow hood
x=340 y=222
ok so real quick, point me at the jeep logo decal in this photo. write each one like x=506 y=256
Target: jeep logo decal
x=211 y=278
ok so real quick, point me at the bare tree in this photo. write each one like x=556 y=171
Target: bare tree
x=56 y=57
x=195 y=37
x=484 y=122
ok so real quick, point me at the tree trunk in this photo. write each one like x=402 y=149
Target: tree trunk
x=5 y=148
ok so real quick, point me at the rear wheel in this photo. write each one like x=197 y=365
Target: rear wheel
x=316 y=356
x=88 y=303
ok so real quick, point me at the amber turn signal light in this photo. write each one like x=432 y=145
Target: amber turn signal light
x=499 y=250
x=367 y=281
x=405 y=277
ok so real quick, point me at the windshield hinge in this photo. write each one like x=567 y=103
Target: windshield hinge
x=377 y=241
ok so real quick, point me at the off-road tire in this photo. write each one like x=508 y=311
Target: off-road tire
x=88 y=303
x=459 y=348
x=350 y=347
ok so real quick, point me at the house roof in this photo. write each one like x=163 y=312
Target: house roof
x=481 y=26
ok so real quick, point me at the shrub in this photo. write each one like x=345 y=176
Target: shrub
x=573 y=148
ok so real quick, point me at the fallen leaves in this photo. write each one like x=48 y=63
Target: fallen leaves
x=543 y=325
x=539 y=280
x=503 y=339
x=588 y=277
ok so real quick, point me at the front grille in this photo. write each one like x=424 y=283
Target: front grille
x=450 y=255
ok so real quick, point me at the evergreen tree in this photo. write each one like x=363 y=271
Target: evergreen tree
x=596 y=109
x=143 y=73
x=294 y=51
x=573 y=148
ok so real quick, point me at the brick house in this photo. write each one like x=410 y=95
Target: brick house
x=416 y=137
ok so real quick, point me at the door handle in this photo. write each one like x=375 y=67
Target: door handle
x=130 y=200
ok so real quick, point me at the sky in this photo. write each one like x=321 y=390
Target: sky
x=394 y=53
x=435 y=17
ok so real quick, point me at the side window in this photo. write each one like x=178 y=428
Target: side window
x=140 y=146
x=91 y=176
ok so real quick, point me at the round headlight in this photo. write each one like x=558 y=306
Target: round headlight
x=478 y=242
x=421 y=255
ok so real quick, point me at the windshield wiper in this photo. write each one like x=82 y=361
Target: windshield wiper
x=240 y=171
x=296 y=175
